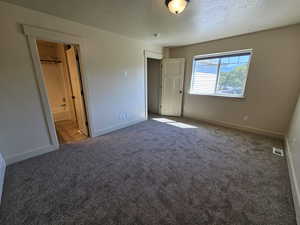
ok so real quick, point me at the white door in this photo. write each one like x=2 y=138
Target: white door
x=77 y=90
x=172 y=86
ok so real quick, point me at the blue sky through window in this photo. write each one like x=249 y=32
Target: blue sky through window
x=220 y=75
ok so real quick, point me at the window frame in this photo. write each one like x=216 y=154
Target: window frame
x=217 y=55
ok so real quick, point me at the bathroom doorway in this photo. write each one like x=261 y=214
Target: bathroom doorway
x=62 y=77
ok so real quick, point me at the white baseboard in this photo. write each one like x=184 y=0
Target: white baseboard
x=293 y=180
x=26 y=155
x=117 y=127
x=2 y=174
x=36 y=152
x=240 y=127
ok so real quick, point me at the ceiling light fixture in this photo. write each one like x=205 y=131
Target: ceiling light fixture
x=176 y=6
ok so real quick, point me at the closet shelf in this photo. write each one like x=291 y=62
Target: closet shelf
x=50 y=61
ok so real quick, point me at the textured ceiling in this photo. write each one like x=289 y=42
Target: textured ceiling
x=203 y=20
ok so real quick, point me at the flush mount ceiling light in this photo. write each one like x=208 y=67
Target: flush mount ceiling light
x=176 y=6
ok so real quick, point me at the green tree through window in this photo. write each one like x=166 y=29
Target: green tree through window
x=233 y=79
x=223 y=75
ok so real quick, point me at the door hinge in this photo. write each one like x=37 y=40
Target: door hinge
x=81 y=93
x=86 y=123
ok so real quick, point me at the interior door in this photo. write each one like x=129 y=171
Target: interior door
x=172 y=86
x=77 y=89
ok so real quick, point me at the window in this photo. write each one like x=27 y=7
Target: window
x=221 y=74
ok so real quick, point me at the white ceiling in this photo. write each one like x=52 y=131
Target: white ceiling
x=203 y=20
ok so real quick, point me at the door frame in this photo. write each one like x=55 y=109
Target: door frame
x=35 y=33
x=149 y=55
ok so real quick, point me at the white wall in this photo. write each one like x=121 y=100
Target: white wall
x=23 y=131
x=272 y=86
x=293 y=157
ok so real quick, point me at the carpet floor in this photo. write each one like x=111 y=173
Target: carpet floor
x=158 y=172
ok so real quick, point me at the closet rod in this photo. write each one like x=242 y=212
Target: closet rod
x=52 y=61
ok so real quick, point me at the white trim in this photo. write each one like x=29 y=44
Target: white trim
x=51 y=35
x=248 y=51
x=293 y=180
x=218 y=54
x=118 y=126
x=2 y=174
x=33 y=34
x=42 y=91
x=240 y=127
x=150 y=55
x=153 y=55
x=33 y=153
x=218 y=95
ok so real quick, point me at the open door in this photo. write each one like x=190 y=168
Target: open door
x=77 y=89
x=172 y=86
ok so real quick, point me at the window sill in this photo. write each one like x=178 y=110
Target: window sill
x=222 y=96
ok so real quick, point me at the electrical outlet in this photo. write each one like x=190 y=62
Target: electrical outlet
x=120 y=116
x=124 y=116
x=245 y=118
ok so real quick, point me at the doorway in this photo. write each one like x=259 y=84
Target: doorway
x=153 y=85
x=165 y=78
x=62 y=77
